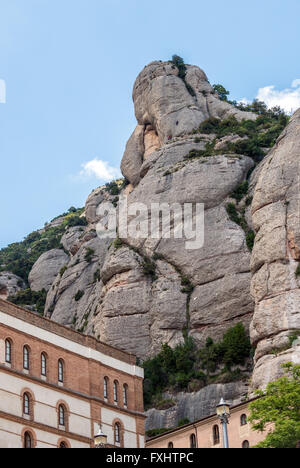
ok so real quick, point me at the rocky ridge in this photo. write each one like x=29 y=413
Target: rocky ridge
x=137 y=294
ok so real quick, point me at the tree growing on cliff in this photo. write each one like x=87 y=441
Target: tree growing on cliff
x=221 y=92
x=279 y=407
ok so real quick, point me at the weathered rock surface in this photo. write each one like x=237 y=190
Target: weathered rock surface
x=148 y=313
x=114 y=294
x=195 y=406
x=276 y=256
x=10 y=284
x=220 y=269
x=165 y=109
x=133 y=293
x=71 y=238
x=71 y=296
x=46 y=268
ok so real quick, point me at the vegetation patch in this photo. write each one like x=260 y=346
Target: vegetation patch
x=242 y=190
x=78 y=295
x=276 y=411
x=19 y=258
x=88 y=257
x=115 y=187
x=206 y=153
x=63 y=270
x=174 y=369
x=183 y=422
x=260 y=134
x=188 y=287
x=149 y=268
x=294 y=337
x=156 y=432
x=117 y=244
x=164 y=404
x=298 y=271
x=240 y=219
x=179 y=63
x=97 y=276
x=36 y=299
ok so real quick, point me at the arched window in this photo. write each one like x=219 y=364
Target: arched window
x=193 y=443
x=63 y=445
x=216 y=435
x=26 y=360
x=60 y=371
x=43 y=364
x=106 y=387
x=117 y=433
x=28 y=443
x=243 y=420
x=246 y=444
x=61 y=416
x=170 y=445
x=8 y=350
x=26 y=404
x=116 y=391
x=125 y=394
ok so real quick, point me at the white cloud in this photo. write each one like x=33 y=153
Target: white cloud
x=296 y=83
x=288 y=98
x=244 y=101
x=100 y=169
x=2 y=92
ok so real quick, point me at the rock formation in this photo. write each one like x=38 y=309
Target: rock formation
x=46 y=268
x=10 y=284
x=165 y=109
x=276 y=256
x=153 y=312
x=138 y=293
x=194 y=406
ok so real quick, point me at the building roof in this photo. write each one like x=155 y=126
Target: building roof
x=65 y=332
x=199 y=421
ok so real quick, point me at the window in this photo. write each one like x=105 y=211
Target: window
x=216 y=435
x=8 y=348
x=246 y=444
x=26 y=358
x=243 y=420
x=106 y=387
x=60 y=371
x=61 y=415
x=26 y=404
x=115 y=391
x=117 y=433
x=63 y=445
x=43 y=365
x=28 y=444
x=170 y=445
x=193 y=443
x=125 y=394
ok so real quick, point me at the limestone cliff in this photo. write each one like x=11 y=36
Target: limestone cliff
x=276 y=256
x=137 y=294
x=108 y=292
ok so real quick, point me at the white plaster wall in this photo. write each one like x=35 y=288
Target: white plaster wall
x=69 y=345
x=10 y=437
x=142 y=441
x=129 y=424
x=10 y=402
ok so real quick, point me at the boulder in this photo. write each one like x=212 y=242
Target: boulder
x=46 y=268
x=10 y=284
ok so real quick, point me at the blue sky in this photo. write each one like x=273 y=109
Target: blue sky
x=69 y=67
